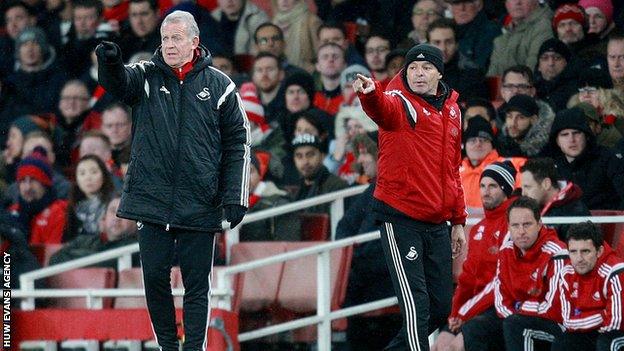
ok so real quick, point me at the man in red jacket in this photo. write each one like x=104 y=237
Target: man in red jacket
x=418 y=189
x=526 y=307
x=591 y=293
x=475 y=285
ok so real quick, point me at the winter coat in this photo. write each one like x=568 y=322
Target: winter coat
x=190 y=143
x=476 y=39
x=369 y=279
x=419 y=152
x=536 y=139
x=249 y=20
x=557 y=92
x=87 y=245
x=519 y=45
x=324 y=183
x=466 y=78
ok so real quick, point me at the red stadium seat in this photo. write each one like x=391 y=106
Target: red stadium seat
x=94 y=278
x=297 y=293
x=610 y=231
x=314 y=226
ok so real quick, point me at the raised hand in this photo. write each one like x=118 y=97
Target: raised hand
x=363 y=84
x=107 y=51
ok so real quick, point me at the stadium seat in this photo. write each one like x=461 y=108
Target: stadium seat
x=94 y=278
x=610 y=231
x=297 y=293
x=314 y=226
x=43 y=252
x=257 y=292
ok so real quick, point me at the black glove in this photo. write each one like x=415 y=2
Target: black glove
x=108 y=52
x=234 y=214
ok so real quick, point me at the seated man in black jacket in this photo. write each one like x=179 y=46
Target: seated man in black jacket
x=557 y=198
x=368 y=278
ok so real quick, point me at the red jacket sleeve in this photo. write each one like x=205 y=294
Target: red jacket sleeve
x=612 y=314
x=503 y=301
x=459 y=212
x=479 y=303
x=385 y=109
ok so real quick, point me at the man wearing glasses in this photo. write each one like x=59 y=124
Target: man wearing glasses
x=376 y=49
x=270 y=38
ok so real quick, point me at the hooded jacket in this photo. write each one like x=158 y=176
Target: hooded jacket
x=474 y=292
x=190 y=142
x=597 y=170
x=527 y=283
x=419 y=152
x=593 y=300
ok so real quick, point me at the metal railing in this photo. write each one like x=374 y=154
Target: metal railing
x=124 y=254
x=223 y=292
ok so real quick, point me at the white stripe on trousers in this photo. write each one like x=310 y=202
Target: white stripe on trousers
x=530 y=334
x=617 y=343
x=406 y=292
x=205 y=343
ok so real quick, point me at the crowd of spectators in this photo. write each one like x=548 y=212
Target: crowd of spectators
x=541 y=84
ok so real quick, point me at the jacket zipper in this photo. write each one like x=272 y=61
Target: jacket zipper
x=177 y=154
x=444 y=126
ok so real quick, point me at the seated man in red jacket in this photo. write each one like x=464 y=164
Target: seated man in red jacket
x=591 y=293
x=37 y=208
x=526 y=306
x=476 y=281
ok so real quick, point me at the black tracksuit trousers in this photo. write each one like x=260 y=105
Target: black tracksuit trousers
x=420 y=265
x=194 y=250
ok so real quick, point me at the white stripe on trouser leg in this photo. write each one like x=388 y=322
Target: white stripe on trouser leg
x=205 y=344
x=530 y=335
x=617 y=343
x=151 y=322
x=410 y=309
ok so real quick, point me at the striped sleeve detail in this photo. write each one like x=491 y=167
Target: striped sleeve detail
x=615 y=301
x=553 y=283
x=468 y=305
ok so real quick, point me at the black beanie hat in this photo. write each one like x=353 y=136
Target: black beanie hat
x=557 y=46
x=426 y=52
x=503 y=173
x=303 y=80
x=571 y=118
x=478 y=127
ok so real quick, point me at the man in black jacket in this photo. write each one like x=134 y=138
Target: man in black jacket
x=189 y=161
x=596 y=169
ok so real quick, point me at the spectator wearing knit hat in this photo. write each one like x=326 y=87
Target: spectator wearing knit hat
x=37 y=208
x=298 y=91
x=557 y=197
x=263 y=195
x=570 y=26
x=599 y=17
x=480 y=147
x=529 y=27
x=315 y=179
x=479 y=267
x=556 y=75
x=38 y=77
x=594 y=168
x=17 y=15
